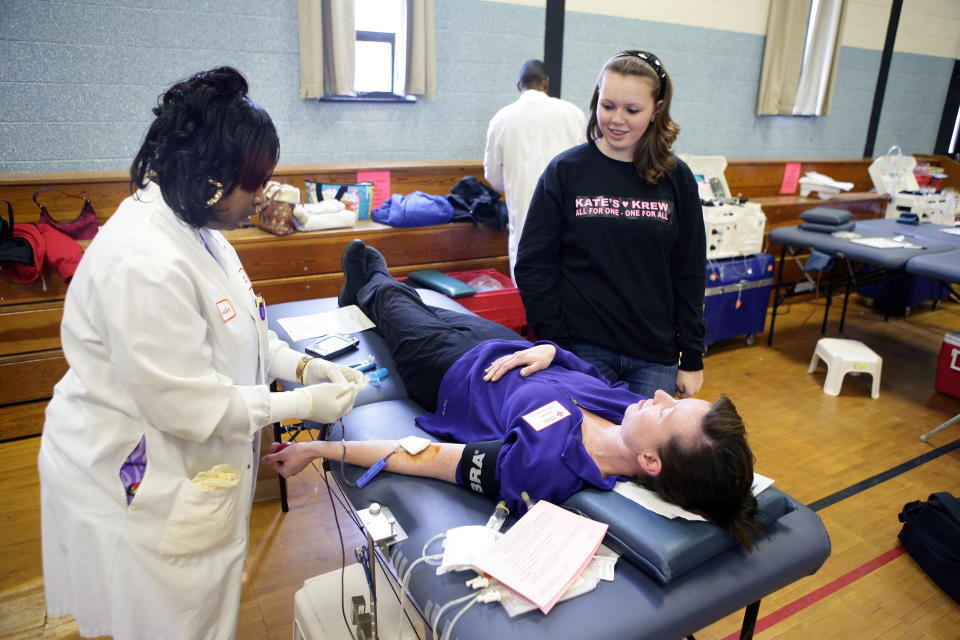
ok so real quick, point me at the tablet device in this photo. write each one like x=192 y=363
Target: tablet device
x=332 y=345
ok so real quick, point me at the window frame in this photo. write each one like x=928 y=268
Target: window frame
x=395 y=95
x=389 y=38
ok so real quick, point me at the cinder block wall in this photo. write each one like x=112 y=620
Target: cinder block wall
x=78 y=79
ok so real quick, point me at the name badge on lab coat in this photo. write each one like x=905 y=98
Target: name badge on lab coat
x=226 y=310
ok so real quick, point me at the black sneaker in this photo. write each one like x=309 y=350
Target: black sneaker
x=354 y=264
x=375 y=262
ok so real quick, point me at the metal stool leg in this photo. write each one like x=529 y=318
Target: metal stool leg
x=946 y=424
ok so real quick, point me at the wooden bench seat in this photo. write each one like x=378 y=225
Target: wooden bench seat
x=299 y=266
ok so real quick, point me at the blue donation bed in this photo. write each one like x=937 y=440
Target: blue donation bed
x=936 y=256
x=673 y=577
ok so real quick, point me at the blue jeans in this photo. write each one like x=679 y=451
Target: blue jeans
x=642 y=377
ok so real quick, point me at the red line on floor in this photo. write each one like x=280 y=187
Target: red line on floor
x=803 y=602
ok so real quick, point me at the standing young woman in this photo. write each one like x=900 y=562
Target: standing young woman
x=612 y=259
x=150 y=445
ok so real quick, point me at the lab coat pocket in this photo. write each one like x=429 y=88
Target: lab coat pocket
x=203 y=517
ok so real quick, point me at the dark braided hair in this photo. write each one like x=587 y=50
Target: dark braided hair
x=207 y=135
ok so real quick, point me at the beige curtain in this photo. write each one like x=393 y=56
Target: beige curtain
x=327 y=47
x=800 y=57
x=421 y=49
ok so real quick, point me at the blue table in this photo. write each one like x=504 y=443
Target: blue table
x=937 y=257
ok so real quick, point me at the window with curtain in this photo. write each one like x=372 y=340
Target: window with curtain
x=800 y=57
x=366 y=49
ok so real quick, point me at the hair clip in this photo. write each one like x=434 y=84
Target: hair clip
x=654 y=63
x=216 y=196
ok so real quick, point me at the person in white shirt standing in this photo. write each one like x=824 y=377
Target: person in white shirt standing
x=523 y=137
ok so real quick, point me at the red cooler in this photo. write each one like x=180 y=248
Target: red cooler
x=948 y=369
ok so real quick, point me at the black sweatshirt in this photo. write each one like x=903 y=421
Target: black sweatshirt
x=608 y=258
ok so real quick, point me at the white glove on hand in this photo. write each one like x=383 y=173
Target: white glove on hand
x=325 y=402
x=320 y=370
x=329 y=400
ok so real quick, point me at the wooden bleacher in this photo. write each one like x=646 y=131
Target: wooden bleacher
x=307 y=265
x=283 y=268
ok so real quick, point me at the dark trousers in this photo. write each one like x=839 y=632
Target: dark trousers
x=425 y=341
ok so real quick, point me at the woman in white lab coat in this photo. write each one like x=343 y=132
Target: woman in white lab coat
x=149 y=452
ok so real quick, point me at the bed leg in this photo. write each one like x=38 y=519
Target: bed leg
x=776 y=295
x=278 y=437
x=749 y=620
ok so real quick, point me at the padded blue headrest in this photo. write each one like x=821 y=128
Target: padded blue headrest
x=665 y=547
x=826 y=216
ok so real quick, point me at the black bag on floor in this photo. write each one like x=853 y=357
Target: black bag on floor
x=931 y=534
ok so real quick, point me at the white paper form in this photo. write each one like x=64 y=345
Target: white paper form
x=344 y=320
x=543 y=553
x=652 y=501
x=885 y=243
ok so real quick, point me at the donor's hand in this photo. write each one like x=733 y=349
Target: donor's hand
x=534 y=359
x=289 y=459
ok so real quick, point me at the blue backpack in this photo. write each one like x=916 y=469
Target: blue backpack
x=931 y=534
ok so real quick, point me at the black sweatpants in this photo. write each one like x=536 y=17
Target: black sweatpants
x=425 y=341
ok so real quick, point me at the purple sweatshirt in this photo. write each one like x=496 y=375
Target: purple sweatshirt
x=537 y=417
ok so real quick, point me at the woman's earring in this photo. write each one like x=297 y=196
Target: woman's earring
x=217 y=195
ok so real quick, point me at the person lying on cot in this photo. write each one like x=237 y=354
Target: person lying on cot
x=517 y=416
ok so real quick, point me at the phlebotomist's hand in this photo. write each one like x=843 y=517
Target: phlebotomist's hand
x=534 y=359
x=320 y=370
x=325 y=402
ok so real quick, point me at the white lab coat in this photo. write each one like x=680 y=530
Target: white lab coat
x=164 y=342
x=522 y=138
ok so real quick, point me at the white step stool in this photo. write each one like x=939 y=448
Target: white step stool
x=843 y=357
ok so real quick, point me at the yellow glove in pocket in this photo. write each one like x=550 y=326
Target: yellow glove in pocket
x=204 y=512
